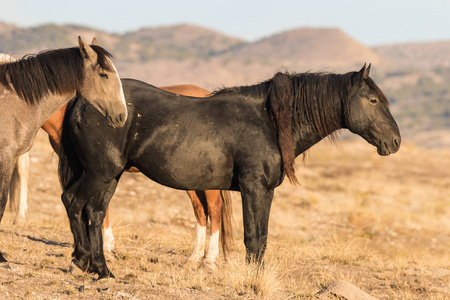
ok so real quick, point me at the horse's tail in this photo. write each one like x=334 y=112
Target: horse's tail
x=226 y=236
x=69 y=169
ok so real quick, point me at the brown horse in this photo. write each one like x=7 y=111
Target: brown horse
x=212 y=203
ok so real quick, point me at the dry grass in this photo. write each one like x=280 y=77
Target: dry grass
x=382 y=224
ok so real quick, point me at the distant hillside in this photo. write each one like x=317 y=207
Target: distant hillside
x=414 y=76
x=315 y=47
x=20 y=41
x=189 y=53
x=423 y=56
x=6 y=28
x=171 y=42
x=182 y=41
x=304 y=46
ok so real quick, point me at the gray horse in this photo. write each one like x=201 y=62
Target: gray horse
x=32 y=89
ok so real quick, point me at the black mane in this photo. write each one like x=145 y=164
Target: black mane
x=317 y=99
x=52 y=71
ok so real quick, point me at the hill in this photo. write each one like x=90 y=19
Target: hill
x=413 y=75
x=314 y=47
x=182 y=41
x=422 y=56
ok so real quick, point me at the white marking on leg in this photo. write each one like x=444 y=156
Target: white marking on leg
x=23 y=170
x=199 y=245
x=213 y=250
x=108 y=239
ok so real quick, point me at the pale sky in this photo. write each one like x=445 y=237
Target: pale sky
x=373 y=22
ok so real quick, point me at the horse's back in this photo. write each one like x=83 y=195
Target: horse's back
x=187 y=89
x=182 y=142
x=177 y=140
x=185 y=142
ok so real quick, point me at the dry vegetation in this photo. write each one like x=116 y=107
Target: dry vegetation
x=382 y=224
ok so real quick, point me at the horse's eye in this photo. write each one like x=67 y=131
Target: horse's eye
x=104 y=75
x=373 y=101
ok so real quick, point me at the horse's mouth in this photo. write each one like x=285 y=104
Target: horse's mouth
x=384 y=149
x=117 y=121
x=110 y=122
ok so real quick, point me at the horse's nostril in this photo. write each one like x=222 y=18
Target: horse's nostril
x=397 y=143
x=121 y=118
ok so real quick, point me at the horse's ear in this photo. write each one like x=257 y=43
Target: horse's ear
x=86 y=51
x=95 y=42
x=368 y=70
x=361 y=75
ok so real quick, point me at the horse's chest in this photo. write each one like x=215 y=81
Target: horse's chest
x=18 y=124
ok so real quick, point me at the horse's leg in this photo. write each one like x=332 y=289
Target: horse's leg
x=85 y=189
x=19 y=184
x=214 y=203
x=198 y=200
x=108 y=236
x=14 y=189
x=256 y=203
x=95 y=213
x=6 y=168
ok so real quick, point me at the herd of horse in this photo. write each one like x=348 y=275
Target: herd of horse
x=244 y=138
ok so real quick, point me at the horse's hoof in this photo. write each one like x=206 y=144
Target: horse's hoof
x=209 y=265
x=106 y=278
x=5 y=265
x=192 y=264
x=19 y=221
x=109 y=255
x=75 y=270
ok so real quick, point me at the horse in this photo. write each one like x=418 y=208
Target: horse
x=202 y=201
x=33 y=88
x=19 y=179
x=243 y=139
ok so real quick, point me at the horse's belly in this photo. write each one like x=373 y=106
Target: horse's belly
x=190 y=170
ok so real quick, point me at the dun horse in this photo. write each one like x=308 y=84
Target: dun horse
x=32 y=89
x=246 y=139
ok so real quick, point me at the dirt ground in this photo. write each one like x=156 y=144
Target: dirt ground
x=379 y=223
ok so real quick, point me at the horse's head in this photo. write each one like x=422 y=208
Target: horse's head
x=101 y=85
x=369 y=115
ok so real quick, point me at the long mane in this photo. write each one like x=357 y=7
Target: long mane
x=317 y=99
x=49 y=72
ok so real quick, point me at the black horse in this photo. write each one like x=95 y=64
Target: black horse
x=246 y=139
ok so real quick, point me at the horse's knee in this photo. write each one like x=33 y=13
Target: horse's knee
x=67 y=198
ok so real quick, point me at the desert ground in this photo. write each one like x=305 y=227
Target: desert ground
x=379 y=223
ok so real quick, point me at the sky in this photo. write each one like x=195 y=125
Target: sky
x=374 y=22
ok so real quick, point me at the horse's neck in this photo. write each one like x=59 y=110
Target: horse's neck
x=305 y=135
x=21 y=121
x=50 y=108
x=304 y=139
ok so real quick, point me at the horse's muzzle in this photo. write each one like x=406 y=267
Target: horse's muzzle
x=386 y=148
